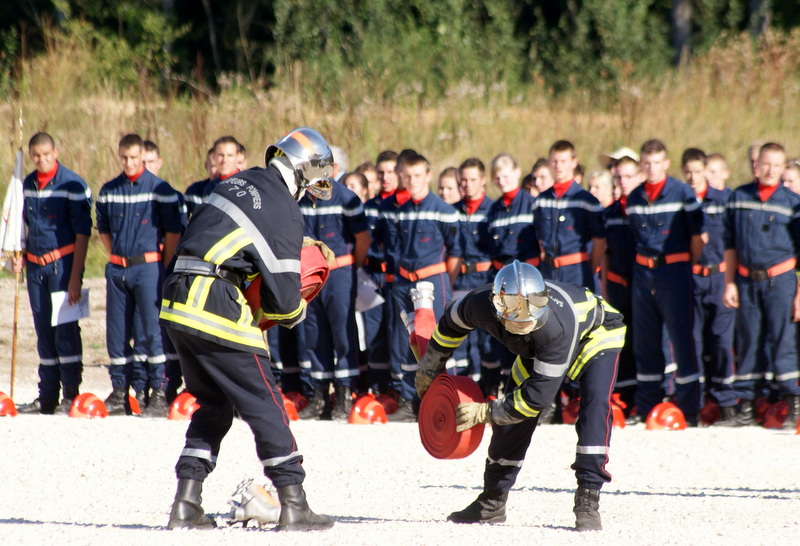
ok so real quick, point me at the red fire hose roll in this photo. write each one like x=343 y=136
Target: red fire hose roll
x=437 y=418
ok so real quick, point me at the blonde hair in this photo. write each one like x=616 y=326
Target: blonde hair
x=503 y=161
x=603 y=175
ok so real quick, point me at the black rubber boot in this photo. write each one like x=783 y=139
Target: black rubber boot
x=186 y=511
x=317 y=403
x=587 y=514
x=117 y=402
x=792 y=411
x=405 y=412
x=726 y=415
x=744 y=417
x=157 y=407
x=141 y=400
x=344 y=403
x=296 y=514
x=66 y=403
x=487 y=508
x=46 y=407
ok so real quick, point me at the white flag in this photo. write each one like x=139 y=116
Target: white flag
x=12 y=229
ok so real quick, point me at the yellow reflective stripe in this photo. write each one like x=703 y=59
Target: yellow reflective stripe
x=446 y=341
x=203 y=290
x=518 y=372
x=522 y=406
x=293 y=314
x=209 y=323
x=600 y=340
x=228 y=246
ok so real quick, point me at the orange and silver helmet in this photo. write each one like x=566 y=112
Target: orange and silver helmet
x=520 y=298
x=311 y=159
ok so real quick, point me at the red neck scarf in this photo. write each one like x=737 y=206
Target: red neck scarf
x=623 y=202
x=561 y=188
x=402 y=196
x=228 y=175
x=765 y=192
x=135 y=177
x=654 y=189
x=385 y=194
x=510 y=196
x=702 y=195
x=473 y=204
x=44 y=178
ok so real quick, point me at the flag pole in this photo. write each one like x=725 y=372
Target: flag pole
x=17 y=256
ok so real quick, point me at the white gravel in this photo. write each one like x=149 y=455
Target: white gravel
x=111 y=481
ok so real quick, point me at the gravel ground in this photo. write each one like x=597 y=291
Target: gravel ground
x=111 y=480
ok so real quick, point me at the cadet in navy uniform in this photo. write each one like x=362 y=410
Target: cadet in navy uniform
x=667 y=223
x=713 y=322
x=377 y=319
x=57 y=215
x=762 y=240
x=568 y=221
x=134 y=211
x=473 y=210
x=249 y=226
x=226 y=155
x=426 y=239
x=617 y=271
x=330 y=329
x=558 y=331
x=511 y=237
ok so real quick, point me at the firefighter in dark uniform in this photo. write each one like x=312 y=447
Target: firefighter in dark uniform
x=249 y=226
x=558 y=331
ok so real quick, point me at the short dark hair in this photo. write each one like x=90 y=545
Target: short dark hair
x=541 y=162
x=562 y=146
x=693 y=154
x=227 y=139
x=386 y=155
x=472 y=163
x=41 y=138
x=150 y=146
x=771 y=147
x=242 y=149
x=403 y=157
x=653 y=146
x=449 y=172
x=417 y=159
x=579 y=170
x=131 y=140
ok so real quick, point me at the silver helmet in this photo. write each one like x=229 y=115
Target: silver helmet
x=310 y=158
x=520 y=298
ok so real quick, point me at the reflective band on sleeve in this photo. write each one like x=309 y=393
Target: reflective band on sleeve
x=446 y=341
x=454 y=315
x=518 y=372
x=522 y=406
x=548 y=370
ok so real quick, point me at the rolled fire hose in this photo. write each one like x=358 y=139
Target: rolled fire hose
x=437 y=417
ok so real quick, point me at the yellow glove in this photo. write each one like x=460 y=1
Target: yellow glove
x=330 y=257
x=470 y=414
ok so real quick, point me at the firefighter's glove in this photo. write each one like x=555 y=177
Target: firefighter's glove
x=470 y=414
x=431 y=364
x=330 y=257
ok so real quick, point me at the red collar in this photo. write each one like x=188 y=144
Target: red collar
x=702 y=195
x=509 y=196
x=654 y=189
x=473 y=204
x=623 y=202
x=228 y=175
x=135 y=177
x=765 y=192
x=561 y=187
x=45 y=178
x=402 y=196
x=385 y=194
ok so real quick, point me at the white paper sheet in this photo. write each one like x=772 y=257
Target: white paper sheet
x=367 y=294
x=63 y=312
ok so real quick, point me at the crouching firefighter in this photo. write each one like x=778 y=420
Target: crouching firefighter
x=250 y=225
x=557 y=330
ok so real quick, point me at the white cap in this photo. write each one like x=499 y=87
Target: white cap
x=618 y=154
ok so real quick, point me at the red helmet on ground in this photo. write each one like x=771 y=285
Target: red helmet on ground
x=183 y=407
x=367 y=411
x=88 y=406
x=7 y=407
x=666 y=416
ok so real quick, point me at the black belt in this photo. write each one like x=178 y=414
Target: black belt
x=198 y=266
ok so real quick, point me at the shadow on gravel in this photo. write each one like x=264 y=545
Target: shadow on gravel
x=738 y=492
x=23 y=521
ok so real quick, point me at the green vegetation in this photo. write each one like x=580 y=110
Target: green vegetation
x=451 y=78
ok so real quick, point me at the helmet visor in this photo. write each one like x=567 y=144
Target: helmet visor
x=519 y=308
x=315 y=176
